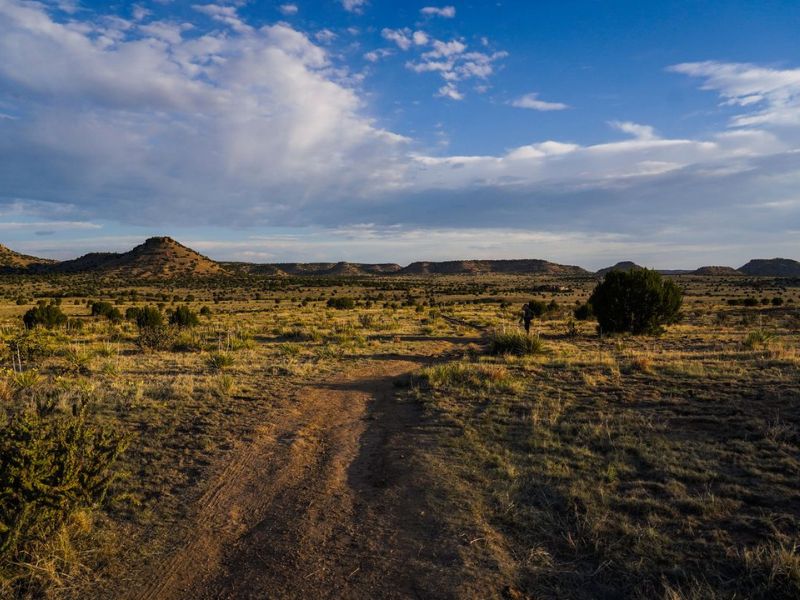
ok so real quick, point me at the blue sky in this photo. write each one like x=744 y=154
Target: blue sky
x=581 y=132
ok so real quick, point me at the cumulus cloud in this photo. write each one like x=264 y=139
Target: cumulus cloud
x=453 y=63
x=216 y=121
x=151 y=128
x=447 y=12
x=531 y=101
x=288 y=9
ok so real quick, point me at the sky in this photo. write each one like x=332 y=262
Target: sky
x=582 y=132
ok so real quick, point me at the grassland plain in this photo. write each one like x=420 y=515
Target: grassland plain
x=268 y=450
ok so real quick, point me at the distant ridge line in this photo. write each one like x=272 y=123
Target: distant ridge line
x=163 y=257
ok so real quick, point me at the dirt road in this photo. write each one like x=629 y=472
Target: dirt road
x=325 y=502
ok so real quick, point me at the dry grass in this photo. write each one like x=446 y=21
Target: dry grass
x=618 y=467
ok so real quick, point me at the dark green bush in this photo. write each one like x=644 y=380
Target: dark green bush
x=584 y=312
x=48 y=316
x=101 y=309
x=184 y=317
x=205 y=311
x=640 y=301
x=750 y=302
x=49 y=468
x=538 y=308
x=149 y=317
x=153 y=333
x=341 y=303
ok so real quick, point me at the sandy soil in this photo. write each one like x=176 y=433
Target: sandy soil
x=324 y=502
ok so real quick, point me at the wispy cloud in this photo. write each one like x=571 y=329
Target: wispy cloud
x=532 y=102
x=772 y=96
x=354 y=6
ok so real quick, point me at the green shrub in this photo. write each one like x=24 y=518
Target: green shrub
x=107 y=310
x=205 y=311
x=48 y=316
x=184 y=317
x=538 y=308
x=49 y=468
x=514 y=341
x=149 y=317
x=640 y=301
x=33 y=344
x=153 y=334
x=584 y=312
x=341 y=303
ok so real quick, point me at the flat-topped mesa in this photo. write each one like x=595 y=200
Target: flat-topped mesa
x=717 y=271
x=512 y=266
x=771 y=267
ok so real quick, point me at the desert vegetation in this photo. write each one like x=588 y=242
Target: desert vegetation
x=657 y=460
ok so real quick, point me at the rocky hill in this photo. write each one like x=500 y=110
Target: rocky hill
x=624 y=265
x=10 y=260
x=156 y=258
x=772 y=267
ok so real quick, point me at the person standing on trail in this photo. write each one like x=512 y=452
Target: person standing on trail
x=527 y=316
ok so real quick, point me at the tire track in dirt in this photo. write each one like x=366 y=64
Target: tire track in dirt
x=316 y=505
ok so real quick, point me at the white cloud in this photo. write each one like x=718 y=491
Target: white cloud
x=375 y=55
x=640 y=132
x=453 y=63
x=49 y=225
x=258 y=117
x=354 y=6
x=139 y=12
x=447 y=12
x=531 y=101
x=288 y=9
x=224 y=14
x=325 y=36
x=420 y=38
x=165 y=31
x=450 y=91
x=401 y=37
x=772 y=95
x=139 y=123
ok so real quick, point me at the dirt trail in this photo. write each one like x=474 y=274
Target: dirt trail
x=322 y=503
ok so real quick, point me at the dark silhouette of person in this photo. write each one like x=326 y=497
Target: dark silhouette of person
x=527 y=317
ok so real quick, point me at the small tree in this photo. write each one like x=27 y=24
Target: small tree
x=46 y=315
x=640 y=301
